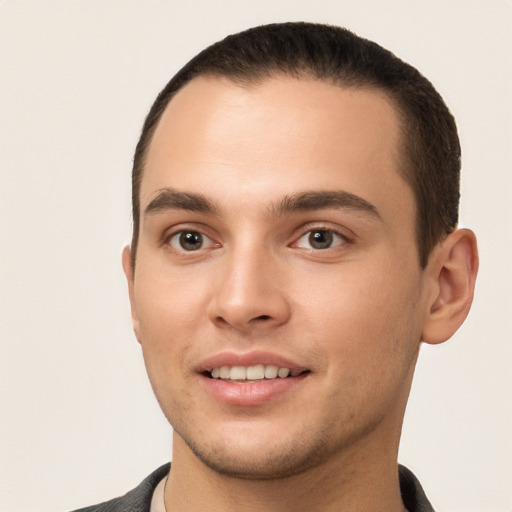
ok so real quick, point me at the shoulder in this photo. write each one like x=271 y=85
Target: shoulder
x=136 y=500
x=413 y=495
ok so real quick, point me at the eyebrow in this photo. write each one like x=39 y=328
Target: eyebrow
x=171 y=199
x=322 y=200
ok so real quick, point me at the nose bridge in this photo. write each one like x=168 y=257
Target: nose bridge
x=247 y=291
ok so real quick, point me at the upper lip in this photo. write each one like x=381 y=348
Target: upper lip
x=247 y=359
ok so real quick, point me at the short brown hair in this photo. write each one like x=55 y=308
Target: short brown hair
x=431 y=153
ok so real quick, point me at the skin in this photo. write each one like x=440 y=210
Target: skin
x=353 y=314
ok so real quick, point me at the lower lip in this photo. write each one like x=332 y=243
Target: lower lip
x=250 y=393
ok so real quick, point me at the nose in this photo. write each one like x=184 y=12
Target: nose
x=250 y=292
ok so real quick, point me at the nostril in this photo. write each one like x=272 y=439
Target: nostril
x=263 y=317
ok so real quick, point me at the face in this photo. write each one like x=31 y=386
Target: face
x=277 y=236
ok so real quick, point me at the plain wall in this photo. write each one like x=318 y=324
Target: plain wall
x=79 y=423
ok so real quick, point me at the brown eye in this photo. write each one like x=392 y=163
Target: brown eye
x=189 y=241
x=319 y=239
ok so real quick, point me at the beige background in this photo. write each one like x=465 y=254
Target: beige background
x=78 y=420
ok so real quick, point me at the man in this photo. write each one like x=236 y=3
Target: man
x=295 y=201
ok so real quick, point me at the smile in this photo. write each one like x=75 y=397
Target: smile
x=255 y=372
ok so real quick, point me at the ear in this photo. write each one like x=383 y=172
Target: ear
x=129 y=272
x=452 y=266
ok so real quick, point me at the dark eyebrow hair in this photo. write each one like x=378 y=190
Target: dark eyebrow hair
x=170 y=199
x=318 y=200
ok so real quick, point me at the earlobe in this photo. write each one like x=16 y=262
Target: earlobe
x=453 y=267
x=130 y=277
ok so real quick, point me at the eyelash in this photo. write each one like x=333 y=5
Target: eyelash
x=194 y=232
x=333 y=236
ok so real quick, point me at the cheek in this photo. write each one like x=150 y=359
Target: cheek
x=169 y=305
x=364 y=319
x=166 y=326
x=168 y=323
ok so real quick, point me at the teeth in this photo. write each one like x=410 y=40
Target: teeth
x=283 y=372
x=256 y=372
x=238 y=373
x=271 y=371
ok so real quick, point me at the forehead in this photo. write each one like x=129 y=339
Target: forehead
x=275 y=138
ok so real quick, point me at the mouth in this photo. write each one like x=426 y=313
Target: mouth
x=251 y=379
x=258 y=372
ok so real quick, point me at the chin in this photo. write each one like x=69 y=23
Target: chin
x=264 y=466
x=260 y=459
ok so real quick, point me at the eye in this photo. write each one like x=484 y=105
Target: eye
x=190 y=241
x=320 y=239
